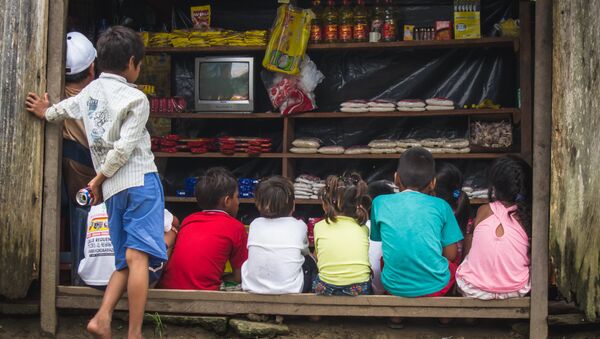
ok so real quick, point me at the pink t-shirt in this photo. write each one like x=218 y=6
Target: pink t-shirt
x=497 y=264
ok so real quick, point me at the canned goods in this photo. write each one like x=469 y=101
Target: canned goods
x=83 y=197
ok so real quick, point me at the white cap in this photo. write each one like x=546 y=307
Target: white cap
x=80 y=53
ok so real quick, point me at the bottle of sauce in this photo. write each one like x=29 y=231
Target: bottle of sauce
x=361 y=22
x=330 y=22
x=389 y=22
x=377 y=17
x=316 y=31
x=346 y=22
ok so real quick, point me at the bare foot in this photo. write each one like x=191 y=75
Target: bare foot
x=99 y=328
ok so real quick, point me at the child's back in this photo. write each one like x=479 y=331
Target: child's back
x=206 y=241
x=414 y=228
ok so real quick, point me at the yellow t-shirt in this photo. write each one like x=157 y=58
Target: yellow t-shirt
x=342 y=251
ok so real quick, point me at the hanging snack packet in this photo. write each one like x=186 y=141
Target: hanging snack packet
x=200 y=17
x=289 y=39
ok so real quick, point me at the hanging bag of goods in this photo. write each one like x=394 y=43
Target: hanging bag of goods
x=288 y=42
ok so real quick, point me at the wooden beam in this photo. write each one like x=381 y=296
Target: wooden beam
x=542 y=132
x=52 y=169
x=525 y=74
x=227 y=303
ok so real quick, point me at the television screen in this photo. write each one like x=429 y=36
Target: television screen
x=224 y=81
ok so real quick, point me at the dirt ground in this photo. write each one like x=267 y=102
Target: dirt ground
x=72 y=326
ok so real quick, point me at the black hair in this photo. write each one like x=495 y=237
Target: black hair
x=380 y=187
x=275 y=197
x=416 y=168
x=346 y=195
x=78 y=77
x=448 y=186
x=212 y=186
x=116 y=46
x=510 y=181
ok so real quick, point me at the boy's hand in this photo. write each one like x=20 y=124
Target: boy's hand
x=95 y=187
x=37 y=105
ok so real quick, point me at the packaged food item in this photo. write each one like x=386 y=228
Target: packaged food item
x=383 y=143
x=412 y=103
x=439 y=102
x=307 y=142
x=356 y=103
x=349 y=109
x=443 y=30
x=492 y=134
x=303 y=150
x=330 y=22
x=316 y=32
x=331 y=150
x=200 y=17
x=409 y=31
x=390 y=150
x=289 y=39
x=358 y=150
x=467 y=19
x=361 y=22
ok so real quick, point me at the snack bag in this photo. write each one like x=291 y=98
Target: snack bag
x=289 y=39
x=200 y=17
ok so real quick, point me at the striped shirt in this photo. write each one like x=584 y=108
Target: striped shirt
x=114 y=114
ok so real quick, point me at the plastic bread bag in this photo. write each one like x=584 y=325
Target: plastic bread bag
x=294 y=94
x=289 y=39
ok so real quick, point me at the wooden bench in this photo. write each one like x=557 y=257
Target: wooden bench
x=231 y=303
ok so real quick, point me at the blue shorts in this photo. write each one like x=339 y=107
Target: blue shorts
x=136 y=221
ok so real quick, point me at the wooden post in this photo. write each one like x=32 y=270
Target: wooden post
x=542 y=131
x=525 y=82
x=52 y=169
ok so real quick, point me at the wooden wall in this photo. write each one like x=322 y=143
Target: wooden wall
x=22 y=68
x=575 y=197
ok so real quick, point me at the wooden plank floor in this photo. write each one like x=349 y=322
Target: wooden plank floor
x=228 y=303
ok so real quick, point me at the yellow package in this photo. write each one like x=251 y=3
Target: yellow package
x=200 y=17
x=467 y=19
x=288 y=42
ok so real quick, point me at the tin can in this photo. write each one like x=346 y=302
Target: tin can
x=83 y=197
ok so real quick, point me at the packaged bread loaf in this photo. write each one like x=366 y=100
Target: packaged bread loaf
x=307 y=142
x=331 y=150
x=303 y=150
x=382 y=143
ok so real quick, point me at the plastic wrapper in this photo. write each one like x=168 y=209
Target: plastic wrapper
x=293 y=94
x=289 y=39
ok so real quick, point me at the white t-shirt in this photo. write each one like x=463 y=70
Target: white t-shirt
x=98 y=262
x=276 y=249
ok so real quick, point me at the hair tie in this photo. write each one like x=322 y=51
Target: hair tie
x=520 y=197
x=456 y=193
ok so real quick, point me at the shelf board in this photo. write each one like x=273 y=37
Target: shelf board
x=333 y=115
x=192 y=200
x=416 y=44
x=216 y=155
x=200 y=115
x=393 y=156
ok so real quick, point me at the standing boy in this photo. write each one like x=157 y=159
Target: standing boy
x=418 y=231
x=114 y=113
x=208 y=239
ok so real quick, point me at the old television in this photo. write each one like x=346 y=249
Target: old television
x=224 y=84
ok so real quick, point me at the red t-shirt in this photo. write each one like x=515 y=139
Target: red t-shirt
x=205 y=242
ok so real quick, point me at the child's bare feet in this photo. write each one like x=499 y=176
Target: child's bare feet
x=99 y=327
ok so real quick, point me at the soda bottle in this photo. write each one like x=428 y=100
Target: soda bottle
x=361 y=21
x=377 y=20
x=346 y=22
x=316 y=32
x=330 y=22
x=389 y=22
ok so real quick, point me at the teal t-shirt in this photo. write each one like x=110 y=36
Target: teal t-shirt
x=413 y=228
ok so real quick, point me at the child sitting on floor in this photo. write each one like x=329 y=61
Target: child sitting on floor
x=418 y=231
x=98 y=263
x=342 y=239
x=279 y=261
x=496 y=264
x=209 y=238
x=377 y=188
x=448 y=186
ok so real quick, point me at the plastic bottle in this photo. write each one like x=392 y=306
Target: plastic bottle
x=316 y=31
x=330 y=22
x=346 y=22
x=389 y=32
x=361 y=21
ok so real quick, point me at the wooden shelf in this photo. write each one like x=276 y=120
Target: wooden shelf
x=334 y=115
x=192 y=200
x=393 y=156
x=200 y=115
x=216 y=155
x=417 y=44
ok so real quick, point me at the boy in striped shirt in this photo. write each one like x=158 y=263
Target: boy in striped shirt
x=114 y=113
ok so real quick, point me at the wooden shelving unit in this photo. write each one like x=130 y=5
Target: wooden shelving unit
x=192 y=200
x=493 y=42
x=323 y=156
